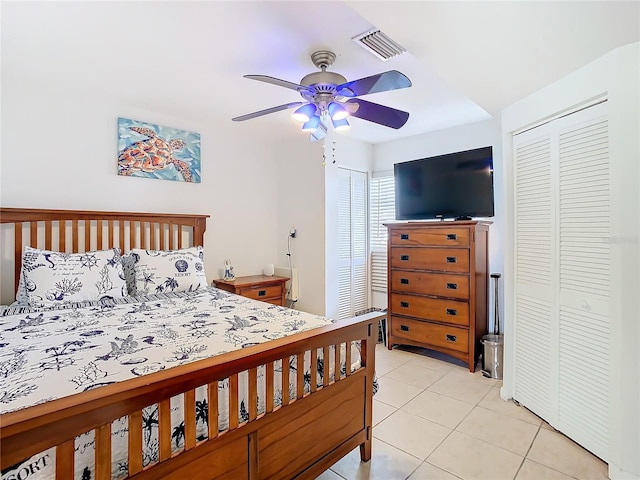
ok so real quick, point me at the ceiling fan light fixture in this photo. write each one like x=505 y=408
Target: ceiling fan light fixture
x=305 y=112
x=312 y=124
x=341 y=124
x=337 y=111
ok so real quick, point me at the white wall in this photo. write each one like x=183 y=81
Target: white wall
x=308 y=201
x=300 y=204
x=465 y=137
x=59 y=150
x=616 y=75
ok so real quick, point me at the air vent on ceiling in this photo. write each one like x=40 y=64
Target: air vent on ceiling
x=379 y=44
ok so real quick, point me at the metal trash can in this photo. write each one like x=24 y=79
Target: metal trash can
x=492 y=354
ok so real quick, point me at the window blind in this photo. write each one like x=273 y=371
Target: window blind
x=382 y=209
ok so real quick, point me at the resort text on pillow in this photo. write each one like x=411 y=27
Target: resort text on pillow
x=157 y=271
x=55 y=277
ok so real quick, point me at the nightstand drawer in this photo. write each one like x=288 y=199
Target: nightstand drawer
x=437 y=309
x=439 y=259
x=445 y=336
x=436 y=284
x=258 y=292
x=441 y=236
x=275 y=301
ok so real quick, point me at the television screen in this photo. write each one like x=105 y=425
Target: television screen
x=456 y=185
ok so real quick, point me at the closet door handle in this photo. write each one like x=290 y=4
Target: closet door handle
x=404 y=304
x=452 y=236
x=451 y=338
x=452 y=259
x=404 y=281
x=404 y=236
x=452 y=286
x=452 y=311
x=404 y=258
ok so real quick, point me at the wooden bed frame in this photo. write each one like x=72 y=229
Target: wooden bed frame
x=300 y=439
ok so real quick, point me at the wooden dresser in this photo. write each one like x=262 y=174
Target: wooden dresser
x=438 y=286
x=270 y=289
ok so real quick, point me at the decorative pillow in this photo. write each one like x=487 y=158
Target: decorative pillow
x=157 y=271
x=21 y=291
x=54 y=277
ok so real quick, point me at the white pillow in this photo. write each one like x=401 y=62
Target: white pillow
x=157 y=271
x=55 y=277
x=21 y=291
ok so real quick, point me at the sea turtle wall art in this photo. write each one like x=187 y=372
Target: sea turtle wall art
x=151 y=151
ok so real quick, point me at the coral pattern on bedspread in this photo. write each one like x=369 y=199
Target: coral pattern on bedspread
x=56 y=351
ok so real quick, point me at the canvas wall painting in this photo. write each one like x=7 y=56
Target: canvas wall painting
x=152 y=151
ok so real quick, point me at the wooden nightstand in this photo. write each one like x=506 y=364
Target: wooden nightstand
x=259 y=287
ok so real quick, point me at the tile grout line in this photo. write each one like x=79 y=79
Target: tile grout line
x=475 y=405
x=527 y=453
x=540 y=428
x=454 y=429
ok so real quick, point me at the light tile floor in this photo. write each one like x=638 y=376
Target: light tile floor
x=433 y=419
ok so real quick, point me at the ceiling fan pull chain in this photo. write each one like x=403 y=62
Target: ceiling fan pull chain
x=324 y=154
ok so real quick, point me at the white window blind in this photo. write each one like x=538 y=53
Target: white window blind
x=382 y=209
x=352 y=243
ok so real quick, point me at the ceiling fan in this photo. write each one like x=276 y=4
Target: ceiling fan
x=330 y=97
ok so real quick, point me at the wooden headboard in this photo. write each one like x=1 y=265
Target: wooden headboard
x=82 y=230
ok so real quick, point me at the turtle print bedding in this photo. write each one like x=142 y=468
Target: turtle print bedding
x=62 y=349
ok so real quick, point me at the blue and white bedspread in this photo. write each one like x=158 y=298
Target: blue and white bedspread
x=50 y=353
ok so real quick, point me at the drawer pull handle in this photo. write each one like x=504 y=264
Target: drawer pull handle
x=452 y=286
x=262 y=293
x=452 y=259
x=404 y=304
x=451 y=338
x=404 y=281
x=452 y=312
x=404 y=328
x=404 y=236
x=404 y=258
x=452 y=236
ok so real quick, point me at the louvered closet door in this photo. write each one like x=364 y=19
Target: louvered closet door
x=584 y=261
x=352 y=243
x=562 y=275
x=534 y=272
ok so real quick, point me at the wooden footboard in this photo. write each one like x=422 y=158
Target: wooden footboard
x=299 y=439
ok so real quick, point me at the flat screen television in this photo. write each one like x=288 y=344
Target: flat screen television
x=456 y=185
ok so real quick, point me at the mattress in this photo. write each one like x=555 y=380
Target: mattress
x=52 y=352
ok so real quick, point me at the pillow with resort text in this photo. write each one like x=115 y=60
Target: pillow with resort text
x=158 y=271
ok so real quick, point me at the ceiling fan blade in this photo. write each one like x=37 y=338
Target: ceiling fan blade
x=266 y=111
x=279 y=82
x=382 y=82
x=376 y=113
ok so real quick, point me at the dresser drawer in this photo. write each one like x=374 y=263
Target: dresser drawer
x=439 y=236
x=437 y=309
x=439 y=259
x=436 y=284
x=262 y=292
x=454 y=338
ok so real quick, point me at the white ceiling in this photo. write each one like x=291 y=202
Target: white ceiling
x=467 y=60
